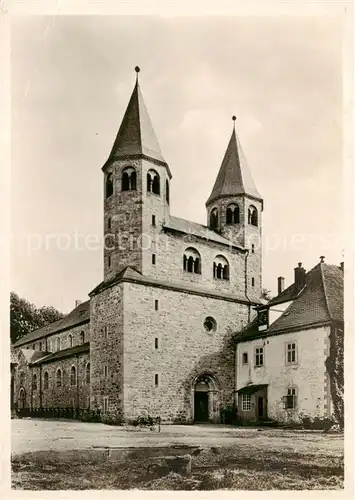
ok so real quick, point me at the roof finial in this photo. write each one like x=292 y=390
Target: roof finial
x=234 y=118
x=322 y=259
x=137 y=70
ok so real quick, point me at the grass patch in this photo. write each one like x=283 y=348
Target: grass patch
x=237 y=468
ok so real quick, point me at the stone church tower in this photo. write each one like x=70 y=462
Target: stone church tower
x=173 y=290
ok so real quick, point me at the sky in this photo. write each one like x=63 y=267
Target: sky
x=71 y=79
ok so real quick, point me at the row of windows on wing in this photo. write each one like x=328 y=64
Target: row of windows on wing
x=291 y=356
x=43 y=346
x=233 y=216
x=192 y=264
x=59 y=378
x=129 y=182
x=289 y=401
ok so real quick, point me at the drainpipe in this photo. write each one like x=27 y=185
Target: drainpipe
x=246 y=281
x=77 y=383
x=40 y=386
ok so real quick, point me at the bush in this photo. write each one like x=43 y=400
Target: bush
x=145 y=421
x=112 y=418
x=317 y=423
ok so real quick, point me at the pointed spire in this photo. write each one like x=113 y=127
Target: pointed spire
x=136 y=135
x=234 y=176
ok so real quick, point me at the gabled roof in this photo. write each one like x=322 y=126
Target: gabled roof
x=234 y=176
x=65 y=353
x=198 y=230
x=136 y=136
x=77 y=316
x=319 y=302
x=31 y=355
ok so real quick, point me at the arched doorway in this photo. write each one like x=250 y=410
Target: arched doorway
x=205 y=399
x=22 y=399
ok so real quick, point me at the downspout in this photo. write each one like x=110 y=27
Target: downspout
x=246 y=282
x=31 y=385
x=77 y=382
x=40 y=386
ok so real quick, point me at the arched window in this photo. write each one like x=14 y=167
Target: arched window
x=34 y=382
x=153 y=182
x=214 y=219
x=22 y=378
x=87 y=374
x=73 y=376
x=167 y=191
x=59 y=378
x=192 y=261
x=252 y=216
x=82 y=337
x=129 y=179
x=232 y=216
x=58 y=344
x=221 y=268
x=70 y=340
x=46 y=380
x=109 y=185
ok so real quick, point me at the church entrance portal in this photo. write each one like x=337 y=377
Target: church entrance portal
x=205 y=399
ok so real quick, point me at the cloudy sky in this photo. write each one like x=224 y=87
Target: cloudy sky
x=71 y=81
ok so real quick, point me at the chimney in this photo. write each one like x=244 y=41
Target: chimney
x=280 y=284
x=342 y=266
x=300 y=277
x=77 y=303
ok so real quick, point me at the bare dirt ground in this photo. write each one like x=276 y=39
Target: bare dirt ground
x=75 y=455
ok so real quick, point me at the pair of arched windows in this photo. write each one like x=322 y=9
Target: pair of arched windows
x=129 y=179
x=232 y=214
x=221 y=268
x=192 y=261
x=153 y=182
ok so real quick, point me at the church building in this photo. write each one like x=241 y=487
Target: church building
x=156 y=335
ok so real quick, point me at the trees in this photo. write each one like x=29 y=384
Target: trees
x=266 y=294
x=25 y=317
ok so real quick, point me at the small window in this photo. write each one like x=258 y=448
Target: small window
x=153 y=259
x=46 y=380
x=291 y=353
x=22 y=378
x=252 y=281
x=156 y=305
x=246 y=402
x=153 y=220
x=156 y=343
x=73 y=376
x=87 y=373
x=105 y=403
x=109 y=223
x=109 y=185
x=109 y=261
x=167 y=192
x=82 y=337
x=252 y=216
x=253 y=248
x=259 y=356
x=70 y=341
x=34 y=382
x=156 y=380
x=58 y=344
x=291 y=399
x=34 y=347
x=105 y=371
x=214 y=219
x=245 y=358
x=59 y=378
x=105 y=331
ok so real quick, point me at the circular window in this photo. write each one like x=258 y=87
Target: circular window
x=210 y=324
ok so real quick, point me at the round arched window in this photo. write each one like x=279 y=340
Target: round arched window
x=210 y=324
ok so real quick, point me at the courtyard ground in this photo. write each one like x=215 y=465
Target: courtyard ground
x=223 y=457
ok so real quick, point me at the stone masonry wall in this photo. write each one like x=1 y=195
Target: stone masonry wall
x=106 y=349
x=49 y=343
x=185 y=350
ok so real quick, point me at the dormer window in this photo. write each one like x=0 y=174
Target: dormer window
x=263 y=319
x=129 y=179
